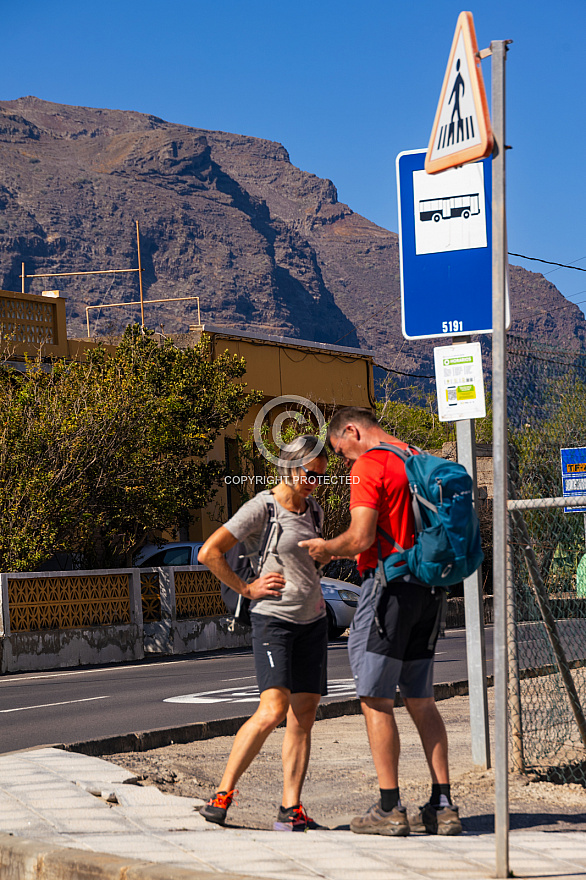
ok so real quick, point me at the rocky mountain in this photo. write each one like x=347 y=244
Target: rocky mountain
x=225 y=217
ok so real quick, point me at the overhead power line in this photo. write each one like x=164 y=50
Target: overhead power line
x=402 y=373
x=511 y=254
x=549 y=262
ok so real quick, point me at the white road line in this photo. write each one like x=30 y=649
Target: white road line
x=117 y=668
x=240 y=678
x=45 y=705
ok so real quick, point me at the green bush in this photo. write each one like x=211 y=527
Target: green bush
x=96 y=456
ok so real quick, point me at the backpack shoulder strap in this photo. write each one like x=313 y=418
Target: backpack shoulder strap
x=315 y=510
x=403 y=454
x=271 y=532
x=269 y=535
x=390 y=540
x=388 y=447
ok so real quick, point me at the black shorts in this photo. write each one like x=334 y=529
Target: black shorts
x=290 y=655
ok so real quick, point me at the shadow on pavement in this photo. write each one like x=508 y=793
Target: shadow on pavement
x=537 y=821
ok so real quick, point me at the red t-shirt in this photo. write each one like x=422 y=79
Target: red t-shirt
x=382 y=485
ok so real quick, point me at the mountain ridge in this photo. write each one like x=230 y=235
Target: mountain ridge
x=227 y=217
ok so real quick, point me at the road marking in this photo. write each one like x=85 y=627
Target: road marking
x=240 y=678
x=217 y=696
x=45 y=705
x=121 y=668
x=339 y=688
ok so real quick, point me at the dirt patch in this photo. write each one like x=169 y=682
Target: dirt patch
x=341 y=781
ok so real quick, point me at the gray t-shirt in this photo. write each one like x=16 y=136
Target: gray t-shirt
x=301 y=600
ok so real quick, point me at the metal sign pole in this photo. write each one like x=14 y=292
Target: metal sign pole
x=499 y=390
x=474 y=610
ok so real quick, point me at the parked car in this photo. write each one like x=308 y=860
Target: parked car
x=341 y=601
x=176 y=553
x=340 y=597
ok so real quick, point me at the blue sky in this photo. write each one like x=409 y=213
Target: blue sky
x=345 y=86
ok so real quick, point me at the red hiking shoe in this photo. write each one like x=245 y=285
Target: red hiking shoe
x=217 y=807
x=294 y=819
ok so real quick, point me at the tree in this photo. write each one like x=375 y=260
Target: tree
x=97 y=456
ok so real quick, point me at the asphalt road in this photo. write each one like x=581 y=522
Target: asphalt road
x=72 y=705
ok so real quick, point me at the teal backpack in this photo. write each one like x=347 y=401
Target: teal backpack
x=447 y=545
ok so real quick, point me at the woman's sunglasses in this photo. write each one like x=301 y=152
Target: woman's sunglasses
x=312 y=476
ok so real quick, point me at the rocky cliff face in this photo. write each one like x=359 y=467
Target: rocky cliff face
x=228 y=218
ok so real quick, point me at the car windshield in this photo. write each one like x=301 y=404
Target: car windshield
x=169 y=556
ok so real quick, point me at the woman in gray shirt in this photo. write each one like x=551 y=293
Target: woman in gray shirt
x=289 y=627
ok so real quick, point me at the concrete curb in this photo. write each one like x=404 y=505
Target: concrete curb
x=23 y=859
x=156 y=739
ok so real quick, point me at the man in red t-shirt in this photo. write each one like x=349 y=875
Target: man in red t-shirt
x=393 y=634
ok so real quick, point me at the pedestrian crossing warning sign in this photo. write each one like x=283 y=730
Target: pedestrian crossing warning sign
x=461 y=130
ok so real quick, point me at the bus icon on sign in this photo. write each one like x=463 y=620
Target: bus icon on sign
x=448 y=207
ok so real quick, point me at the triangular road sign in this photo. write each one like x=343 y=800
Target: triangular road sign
x=461 y=129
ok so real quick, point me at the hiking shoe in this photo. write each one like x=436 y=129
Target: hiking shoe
x=216 y=808
x=294 y=819
x=378 y=821
x=437 y=820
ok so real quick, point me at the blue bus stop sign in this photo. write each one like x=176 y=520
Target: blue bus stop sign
x=574 y=475
x=445 y=243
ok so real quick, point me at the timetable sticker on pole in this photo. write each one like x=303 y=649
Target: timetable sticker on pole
x=459 y=382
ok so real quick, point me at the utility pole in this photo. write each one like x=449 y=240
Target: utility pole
x=500 y=514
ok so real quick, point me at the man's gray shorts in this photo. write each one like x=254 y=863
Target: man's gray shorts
x=401 y=657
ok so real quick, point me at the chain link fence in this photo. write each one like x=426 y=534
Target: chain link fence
x=547 y=575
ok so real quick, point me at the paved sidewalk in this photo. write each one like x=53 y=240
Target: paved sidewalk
x=61 y=799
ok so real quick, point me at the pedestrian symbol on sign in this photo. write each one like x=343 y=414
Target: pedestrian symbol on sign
x=458 y=84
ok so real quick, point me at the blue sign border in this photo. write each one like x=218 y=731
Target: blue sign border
x=444 y=287
x=573 y=455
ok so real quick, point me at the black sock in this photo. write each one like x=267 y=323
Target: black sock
x=389 y=798
x=437 y=790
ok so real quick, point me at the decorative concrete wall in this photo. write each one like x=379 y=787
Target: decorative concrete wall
x=192 y=615
x=61 y=619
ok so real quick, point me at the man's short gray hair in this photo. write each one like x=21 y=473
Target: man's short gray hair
x=348 y=415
